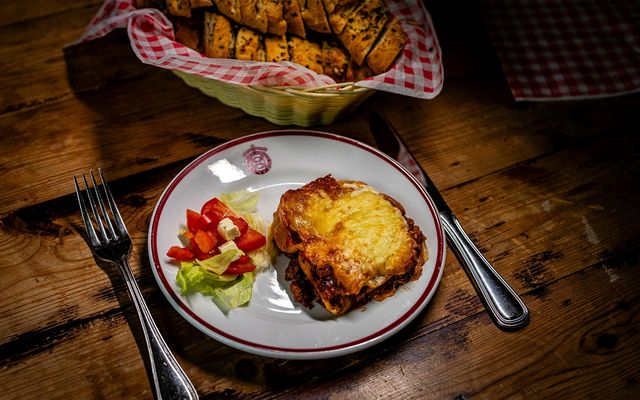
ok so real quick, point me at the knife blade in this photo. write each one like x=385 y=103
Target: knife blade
x=504 y=306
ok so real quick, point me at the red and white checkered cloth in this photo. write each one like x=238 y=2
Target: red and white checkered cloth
x=417 y=72
x=566 y=49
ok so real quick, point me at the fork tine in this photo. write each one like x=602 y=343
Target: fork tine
x=85 y=216
x=101 y=205
x=90 y=194
x=112 y=206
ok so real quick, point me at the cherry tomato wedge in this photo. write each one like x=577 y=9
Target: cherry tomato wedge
x=216 y=207
x=193 y=218
x=180 y=253
x=240 y=223
x=238 y=267
x=251 y=240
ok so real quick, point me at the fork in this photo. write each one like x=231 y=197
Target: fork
x=112 y=243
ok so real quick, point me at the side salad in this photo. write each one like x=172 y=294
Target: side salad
x=224 y=246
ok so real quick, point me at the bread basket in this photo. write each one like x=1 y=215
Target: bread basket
x=284 y=105
x=282 y=93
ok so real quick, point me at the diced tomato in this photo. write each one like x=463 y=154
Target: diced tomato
x=180 y=253
x=216 y=207
x=197 y=252
x=251 y=240
x=215 y=238
x=244 y=259
x=204 y=241
x=240 y=223
x=238 y=267
x=193 y=218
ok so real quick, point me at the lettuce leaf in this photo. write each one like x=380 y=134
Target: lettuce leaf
x=219 y=263
x=227 y=291
x=192 y=278
x=241 y=201
x=235 y=295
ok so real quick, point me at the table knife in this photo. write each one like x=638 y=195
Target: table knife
x=504 y=306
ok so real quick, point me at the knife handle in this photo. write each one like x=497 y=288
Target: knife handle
x=504 y=306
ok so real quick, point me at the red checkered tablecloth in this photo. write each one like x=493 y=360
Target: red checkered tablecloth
x=566 y=49
x=417 y=72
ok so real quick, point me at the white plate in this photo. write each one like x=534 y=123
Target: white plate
x=273 y=324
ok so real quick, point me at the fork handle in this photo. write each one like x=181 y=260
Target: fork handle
x=503 y=304
x=169 y=380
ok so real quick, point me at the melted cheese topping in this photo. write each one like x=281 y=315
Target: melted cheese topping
x=360 y=234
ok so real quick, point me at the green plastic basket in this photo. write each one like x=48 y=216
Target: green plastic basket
x=284 y=105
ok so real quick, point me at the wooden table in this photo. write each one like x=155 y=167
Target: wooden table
x=549 y=191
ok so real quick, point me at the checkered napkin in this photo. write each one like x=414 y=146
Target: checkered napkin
x=416 y=73
x=566 y=49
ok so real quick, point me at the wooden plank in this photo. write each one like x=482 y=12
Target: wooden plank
x=15 y=11
x=34 y=68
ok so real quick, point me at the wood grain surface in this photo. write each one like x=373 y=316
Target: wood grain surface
x=549 y=192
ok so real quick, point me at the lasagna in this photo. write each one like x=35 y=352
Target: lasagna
x=347 y=243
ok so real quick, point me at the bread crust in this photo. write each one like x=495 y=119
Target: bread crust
x=200 y=3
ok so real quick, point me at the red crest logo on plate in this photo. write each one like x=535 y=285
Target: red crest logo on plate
x=257 y=160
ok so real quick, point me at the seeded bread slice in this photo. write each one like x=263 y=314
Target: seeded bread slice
x=254 y=14
x=230 y=8
x=306 y=53
x=335 y=60
x=387 y=48
x=363 y=27
x=293 y=17
x=275 y=17
x=248 y=45
x=219 y=39
x=179 y=8
x=276 y=48
x=314 y=16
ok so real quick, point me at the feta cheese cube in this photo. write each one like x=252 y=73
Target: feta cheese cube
x=228 y=230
